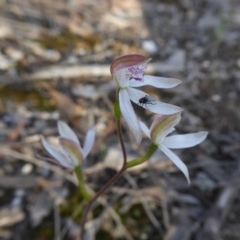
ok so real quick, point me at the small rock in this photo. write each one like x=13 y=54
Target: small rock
x=113 y=158
x=238 y=62
x=208 y=21
x=179 y=56
x=204 y=182
x=10 y=216
x=14 y=54
x=197 y=52
x=17 y=201
x=232 y=38
x=26 y=169
x=150 y=46
x=236 y=18
x=5 y=31
x=206 y=64
x=51 y=55
x=72 y=60
x=40 y=208
x=216 y=98
x=5 y=62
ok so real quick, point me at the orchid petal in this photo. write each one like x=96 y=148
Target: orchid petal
x=89 y=141
x=135 y=94
x=163 y=136
x=128 y=66
x=127 y=61
x=129 y=115
x=72 y=150
x=155 y=107
x=145 y=129
x=163 y=108
x=56 y=154
x=163 y=125
x=158 y=82
x=185 y=140
x=54 y=162
x=176 y=160
x=66 y=132
x=122 y=77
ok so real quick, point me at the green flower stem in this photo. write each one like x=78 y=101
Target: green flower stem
x=152 y=149
x=79 y=173
x=120 y=137
x=117 y=113
x=117 y=110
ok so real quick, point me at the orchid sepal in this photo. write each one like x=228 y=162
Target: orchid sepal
x=71 y=154
x=164 y=125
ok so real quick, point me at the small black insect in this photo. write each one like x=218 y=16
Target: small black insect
x=147 y=100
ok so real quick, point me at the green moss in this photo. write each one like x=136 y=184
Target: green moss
x=22 y=94
x=102 y=235
x=68 y=39
x=138 y=223
x=43 y=232
x=73 y=206
x=135 y=220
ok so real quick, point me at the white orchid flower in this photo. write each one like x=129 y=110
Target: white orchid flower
x=129 y=72
x=71 y=154
x=161 y=127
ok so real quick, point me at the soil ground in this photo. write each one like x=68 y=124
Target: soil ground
x=54 y=64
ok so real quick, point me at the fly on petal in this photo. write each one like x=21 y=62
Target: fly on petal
x=147 y=100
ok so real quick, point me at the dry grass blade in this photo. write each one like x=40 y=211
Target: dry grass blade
x=14 y=154
x=146 y=207
x=213 y=223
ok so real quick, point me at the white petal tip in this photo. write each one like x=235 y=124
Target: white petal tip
x=148 y=60
x=89 y=141
x=188 y=179
x=178 y=109
x=186 y=174
x=66 y=132
x=178 y=82
x=203 y=134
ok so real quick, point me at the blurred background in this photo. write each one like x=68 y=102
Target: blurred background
x=54 y=64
